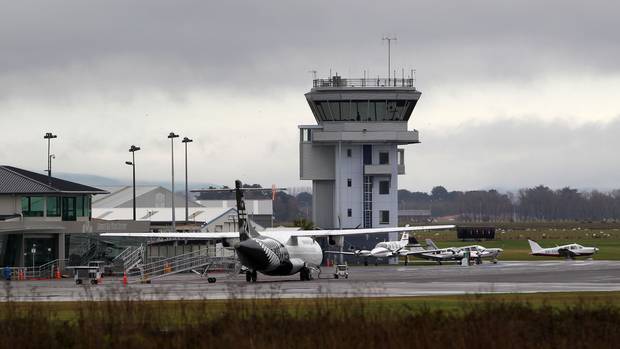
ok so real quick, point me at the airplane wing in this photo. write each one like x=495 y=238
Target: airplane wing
x=205 y=236
x=567 y=253
x=434 y=257
x=338 y=252
x=341 y=232
x=421 y=252
x=298 y=233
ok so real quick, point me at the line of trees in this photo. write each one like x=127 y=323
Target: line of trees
x=530 y=204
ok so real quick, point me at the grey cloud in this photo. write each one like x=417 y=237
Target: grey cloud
x=511 y=154
x=255 y=45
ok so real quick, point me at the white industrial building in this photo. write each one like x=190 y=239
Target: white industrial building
x=154 y=204
x=260 y=211
x=352 y=155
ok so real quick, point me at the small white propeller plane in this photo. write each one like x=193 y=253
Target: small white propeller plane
x=386 y=249
x=275 y=252
x=476 y=253
x=571 y=251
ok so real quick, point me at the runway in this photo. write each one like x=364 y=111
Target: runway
x=370 y=281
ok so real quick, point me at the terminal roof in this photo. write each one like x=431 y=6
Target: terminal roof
x=15 y=180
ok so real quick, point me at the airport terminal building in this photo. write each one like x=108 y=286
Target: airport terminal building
x=46 y=218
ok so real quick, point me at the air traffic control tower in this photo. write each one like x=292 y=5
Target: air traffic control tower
x=352 y=155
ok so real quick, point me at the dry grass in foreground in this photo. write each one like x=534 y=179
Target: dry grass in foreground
x=317 y=323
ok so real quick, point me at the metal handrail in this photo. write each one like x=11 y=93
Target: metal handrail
x=181 y=263
x=43 y=271
x=122 y=255
x=337 y=81
x=133 y=258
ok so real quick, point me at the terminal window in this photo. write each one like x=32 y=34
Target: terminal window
x=349 y=153
x=384 y=187
x=384 y=158
x=349 y=212
x=33 y=206
x=348 y=182
x=384 y=217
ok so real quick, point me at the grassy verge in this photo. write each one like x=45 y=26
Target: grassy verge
x=490 y=321
x=512 y=237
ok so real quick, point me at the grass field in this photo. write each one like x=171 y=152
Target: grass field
x=512 y=237
x=488 y=321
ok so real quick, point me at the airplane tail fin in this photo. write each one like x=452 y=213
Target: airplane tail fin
x=246 y=230
x=534 y=246
x=431 y=244
x=405 y=237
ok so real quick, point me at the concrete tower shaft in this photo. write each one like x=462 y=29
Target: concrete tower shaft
x=352 y=154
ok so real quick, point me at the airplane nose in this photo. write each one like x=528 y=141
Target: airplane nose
x=252 y=254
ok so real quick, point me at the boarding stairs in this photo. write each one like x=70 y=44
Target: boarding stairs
x=129 y=258
x=197 y=261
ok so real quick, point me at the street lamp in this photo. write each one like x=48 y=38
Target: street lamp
x=186 y=140
x=172 y=136
x=49 y=136
x=133 y=149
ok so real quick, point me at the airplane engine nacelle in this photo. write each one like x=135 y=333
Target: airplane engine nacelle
x=296 y=265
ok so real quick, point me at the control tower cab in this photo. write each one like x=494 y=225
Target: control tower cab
x=352 y=154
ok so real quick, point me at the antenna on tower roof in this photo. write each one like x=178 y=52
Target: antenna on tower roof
x=389 y=41
x=313 y=74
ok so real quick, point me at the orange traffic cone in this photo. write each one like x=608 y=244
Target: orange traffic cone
x=58 y=277
x=124 y=278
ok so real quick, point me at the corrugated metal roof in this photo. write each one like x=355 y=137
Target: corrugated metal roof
x=14 y=180
x=122 y=197
x=163 y=214
x=257 y=207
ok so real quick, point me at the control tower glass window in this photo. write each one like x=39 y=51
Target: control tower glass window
x=364 y=110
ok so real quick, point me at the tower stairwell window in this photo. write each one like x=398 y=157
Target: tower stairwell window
x=384 y=187
x=384 y=158
x=384 y=217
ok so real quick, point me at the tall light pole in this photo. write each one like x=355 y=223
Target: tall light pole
x=133 y=149
x=389 y=40
x=172 y=136
x=49 y=136
x=186 y=140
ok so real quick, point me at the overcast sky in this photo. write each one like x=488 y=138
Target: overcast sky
x=514 y=94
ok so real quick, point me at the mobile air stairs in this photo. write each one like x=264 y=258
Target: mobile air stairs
x=197 y=261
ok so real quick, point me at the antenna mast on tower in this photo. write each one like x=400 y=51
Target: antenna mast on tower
x=389 y=41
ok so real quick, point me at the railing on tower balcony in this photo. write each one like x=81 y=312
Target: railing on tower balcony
x=338 y=81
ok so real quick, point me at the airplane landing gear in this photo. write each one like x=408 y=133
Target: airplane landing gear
x=304 y=274
x=365 y=262
x=251 y=276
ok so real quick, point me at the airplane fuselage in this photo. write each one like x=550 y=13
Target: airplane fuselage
x=276 y=253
